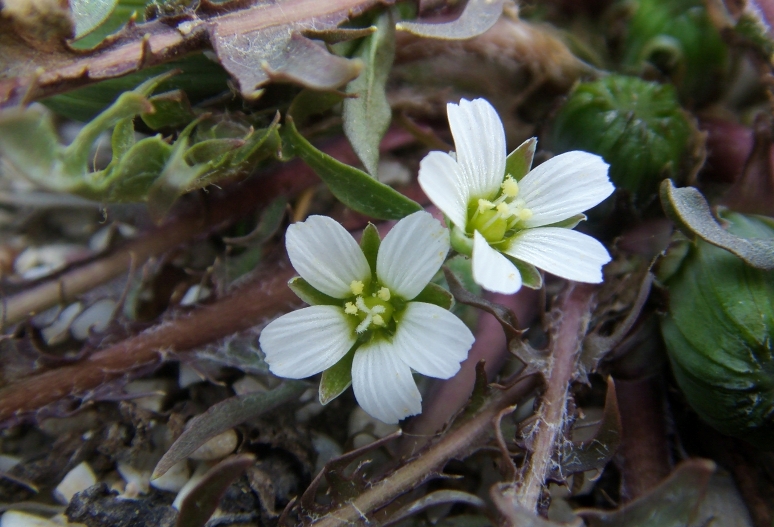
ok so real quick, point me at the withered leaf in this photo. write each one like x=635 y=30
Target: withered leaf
x=477 y=18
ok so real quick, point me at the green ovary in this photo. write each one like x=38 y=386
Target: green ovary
x=490 y=224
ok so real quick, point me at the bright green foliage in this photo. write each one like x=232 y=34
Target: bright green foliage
x=638 y=127
x=351 y=186
x=678 y=38
x=719 y=333
x=152 y=168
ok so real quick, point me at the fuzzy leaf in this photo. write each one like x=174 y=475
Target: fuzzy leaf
x=367 y=116
x=476 y=19
x=170 y=109
x=223 y=416
x=201 y=502
x=88 y=15
x=353 y=187
x=519 y=162
x=336 y=379
x=311 y=102
x=692 y=215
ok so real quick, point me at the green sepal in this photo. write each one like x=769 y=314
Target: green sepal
x=461 y=242
x=310 y=295
x=369 y=243
x=519 y=162
x=435 y=294
x=354 y=188
x=530 y=276
x=337 y=378
x=569 y=223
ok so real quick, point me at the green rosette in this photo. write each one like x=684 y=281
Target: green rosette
x=677 y=38
x=719 y=334
x=638 y=127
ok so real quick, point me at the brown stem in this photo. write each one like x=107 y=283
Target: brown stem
x=428 y=463
x=572 y=312
x=155 y=42
x=644 y=447
x=241 y=310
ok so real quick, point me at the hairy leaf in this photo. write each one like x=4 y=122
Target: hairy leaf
x=351 y=186
x=692 y=215
x=88 y=15
x=477 y=18
x=367 y=116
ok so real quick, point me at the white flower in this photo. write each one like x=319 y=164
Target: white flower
x=370 y=312
x=507 y=223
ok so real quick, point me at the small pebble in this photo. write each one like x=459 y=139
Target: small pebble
x=187 y=376
x=93 y=319
x=57 y=332
x=173 y=479
x=195 y=293
x=216 y=448
x=198 y=475
x=137 y=481
x=78 y=479
x=22 y=519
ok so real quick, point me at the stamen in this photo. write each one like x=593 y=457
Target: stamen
x=357 y=287
x=384 y=294
x=350 y=308
x=510 y=187
x=525 y=214
x=484 y=205
x=378 y=320
x=504 y=210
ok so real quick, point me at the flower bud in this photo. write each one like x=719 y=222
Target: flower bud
x=719 y=333
x=677 y=38
x=638 y=127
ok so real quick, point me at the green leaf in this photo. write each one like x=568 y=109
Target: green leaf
x=312 y=102
x=476 y=19
x=369 y=243
x=435 y=294
x=88 y=15
x=367 y=116
x=353 y=187
x=337 y=378
x=170 y=109
x=310 y=295
x=688 y=209
x=519 y=162
x=224 y=416
x=175 y=179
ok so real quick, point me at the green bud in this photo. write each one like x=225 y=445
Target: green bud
x=638 y=127
x=677 y=38
x=719 y=334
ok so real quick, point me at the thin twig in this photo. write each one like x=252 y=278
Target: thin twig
x=572 y=314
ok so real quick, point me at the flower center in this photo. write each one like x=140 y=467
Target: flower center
x=374 y=311
x=494 y=218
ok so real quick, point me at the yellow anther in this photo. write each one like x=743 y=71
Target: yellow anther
x=510 y=187
x=504 y=210
x=357 y=287
x=350 y=308
x=378 y=320
x=384 y=294
x=525 y=214
x=484 y=205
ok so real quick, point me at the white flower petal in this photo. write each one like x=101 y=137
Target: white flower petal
x=307 y=341
x=383 y=384
x=326 y=255
x=432 y=340
x=479 y=141
x=442 y=181
x=564 y=186
x=411 y=253
x=563 y=252
x=492 y=270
